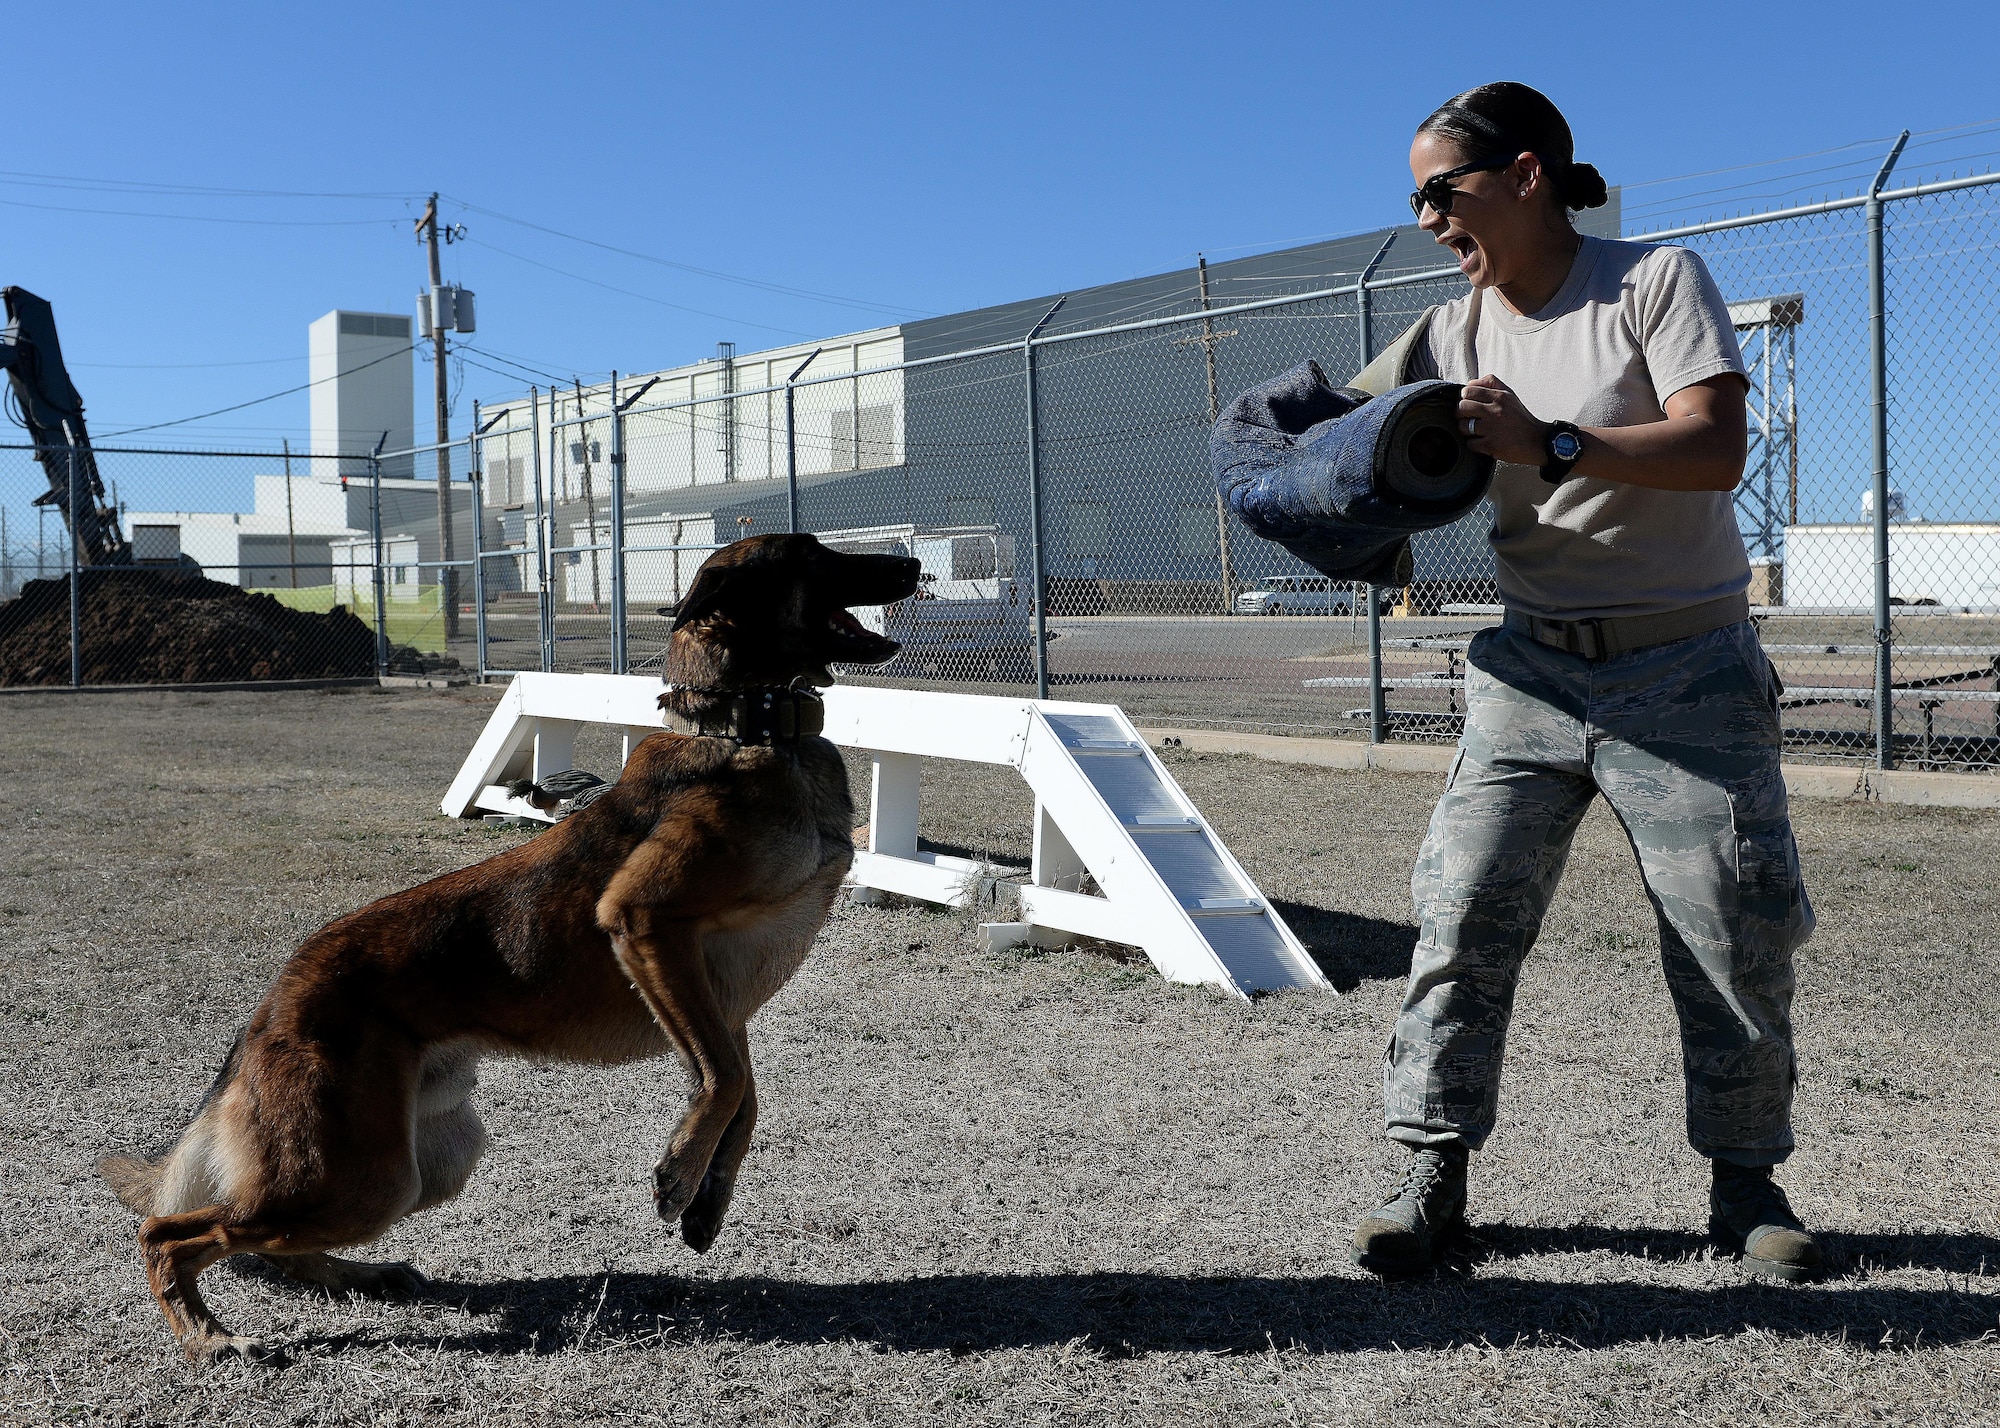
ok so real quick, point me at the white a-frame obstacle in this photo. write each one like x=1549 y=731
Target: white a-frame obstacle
x=1106 y=811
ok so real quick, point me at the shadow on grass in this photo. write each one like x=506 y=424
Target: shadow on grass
x=1126 y=1315
x=1848 y=1257
x=1350 y=948
x=1005 y=862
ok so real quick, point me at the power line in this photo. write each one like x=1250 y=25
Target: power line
x=204 y=217
x=35 y=180
x=779 y=288
x=184 y=366
x=627 y=292
x=521 y=361
x=545 y=375
x=258 y=401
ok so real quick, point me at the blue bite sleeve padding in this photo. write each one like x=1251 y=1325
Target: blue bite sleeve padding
x=1328 y=472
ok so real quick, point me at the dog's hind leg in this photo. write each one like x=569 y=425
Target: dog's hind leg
x=666 y=963
x=701 y=1222
x=176 y=1249
x=447 y=1139
x=394 y=1280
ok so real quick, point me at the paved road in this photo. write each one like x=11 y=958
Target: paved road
x=1252 y=670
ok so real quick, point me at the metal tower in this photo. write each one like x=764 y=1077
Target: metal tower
x=1768 y=499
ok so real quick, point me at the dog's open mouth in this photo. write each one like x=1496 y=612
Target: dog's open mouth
x=852 y=642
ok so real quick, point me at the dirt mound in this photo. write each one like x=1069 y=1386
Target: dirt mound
x=166 y=627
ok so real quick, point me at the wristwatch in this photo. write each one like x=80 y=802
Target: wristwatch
x=1564 y=448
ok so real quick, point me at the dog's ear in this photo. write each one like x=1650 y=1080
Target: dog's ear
x=727 y=574
x=711 y=588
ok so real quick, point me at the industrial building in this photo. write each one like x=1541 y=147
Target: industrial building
x=304 y=524
x=1129 y=506
x=298 y=528
x=944 y=445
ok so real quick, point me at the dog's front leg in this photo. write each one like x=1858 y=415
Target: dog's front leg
x=702 y=1221
x=665 y=962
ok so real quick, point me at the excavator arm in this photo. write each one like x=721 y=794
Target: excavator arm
x=48 y=405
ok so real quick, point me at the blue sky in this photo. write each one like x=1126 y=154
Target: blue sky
x=856 y=164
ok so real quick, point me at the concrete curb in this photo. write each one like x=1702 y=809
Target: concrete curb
x=225 y=686
x=1899 y=786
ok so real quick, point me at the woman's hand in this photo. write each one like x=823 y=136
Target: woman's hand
x=1699 y=447
x=1499 y=426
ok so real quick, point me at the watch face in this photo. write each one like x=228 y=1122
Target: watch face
x=1565 y=446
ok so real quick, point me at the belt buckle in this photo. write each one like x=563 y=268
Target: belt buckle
x=1584 y=638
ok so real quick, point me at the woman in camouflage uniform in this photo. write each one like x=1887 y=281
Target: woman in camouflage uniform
x=1606 y=380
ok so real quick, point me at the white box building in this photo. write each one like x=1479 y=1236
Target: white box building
x=1948 y=563
x=323 y=520
x=363 y=377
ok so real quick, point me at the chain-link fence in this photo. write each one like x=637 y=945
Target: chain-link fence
x=234 y=567
x=1049 y=468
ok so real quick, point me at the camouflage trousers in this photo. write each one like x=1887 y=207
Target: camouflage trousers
x=1682 y=739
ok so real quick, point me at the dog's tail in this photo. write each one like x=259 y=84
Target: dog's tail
x=132 y=1179
x=570 y=790
x=136 y=1179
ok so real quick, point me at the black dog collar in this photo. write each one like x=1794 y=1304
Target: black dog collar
x=753 y=716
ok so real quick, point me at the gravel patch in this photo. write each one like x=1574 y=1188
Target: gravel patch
x=1031 y=1187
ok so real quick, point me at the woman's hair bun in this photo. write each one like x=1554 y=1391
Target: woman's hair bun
x=1583 y=187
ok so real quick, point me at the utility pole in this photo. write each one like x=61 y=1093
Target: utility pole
x=1209 y=337
x=582 y=445
x=291 y=531
x=725 y=354
x=427 y=229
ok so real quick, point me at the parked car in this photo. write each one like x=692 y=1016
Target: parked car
x=1296 y=595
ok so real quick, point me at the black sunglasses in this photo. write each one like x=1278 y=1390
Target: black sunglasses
x=1437 y=192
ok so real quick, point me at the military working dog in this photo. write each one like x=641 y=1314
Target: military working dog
x=659 y=917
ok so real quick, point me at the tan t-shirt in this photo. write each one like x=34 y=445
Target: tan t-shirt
x=1633 y=324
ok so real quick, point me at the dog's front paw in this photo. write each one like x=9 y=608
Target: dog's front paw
x=702 y=1221
x=215 y=1347
x=674 y=1189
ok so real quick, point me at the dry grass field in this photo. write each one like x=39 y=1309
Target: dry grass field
x=992 y=1189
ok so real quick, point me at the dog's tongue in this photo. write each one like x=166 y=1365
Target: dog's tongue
x=845 y=623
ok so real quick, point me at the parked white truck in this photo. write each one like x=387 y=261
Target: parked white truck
x=970 y=618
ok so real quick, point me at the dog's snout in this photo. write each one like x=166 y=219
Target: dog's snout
x=884 y=578
x=909 y=572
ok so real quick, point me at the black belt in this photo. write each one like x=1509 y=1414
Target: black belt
x=1615 y=635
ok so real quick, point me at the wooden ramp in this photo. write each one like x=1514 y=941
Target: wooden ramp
x=1120 y=852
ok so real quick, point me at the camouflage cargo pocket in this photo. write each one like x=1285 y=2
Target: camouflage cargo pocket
x=1768 y=883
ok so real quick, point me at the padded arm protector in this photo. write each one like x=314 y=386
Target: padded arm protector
x=1342 y=479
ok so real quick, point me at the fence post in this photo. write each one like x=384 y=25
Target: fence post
x=1878 y=404
x=545 y=615
x=1041 y=601
x=75 y=572
x=792 y=448
x=1378 y=704
x=375 y=536
x=475 y=450
x=618 y=661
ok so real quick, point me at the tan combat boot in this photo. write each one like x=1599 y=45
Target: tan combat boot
x=1748 y=1214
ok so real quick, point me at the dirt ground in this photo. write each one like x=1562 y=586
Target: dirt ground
x=170 y=627
x=992 y=1189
